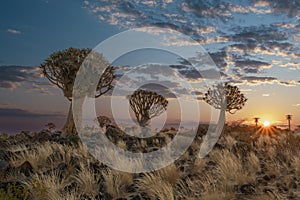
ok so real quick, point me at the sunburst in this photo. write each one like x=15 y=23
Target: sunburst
x=266 y=133
x=266 y=123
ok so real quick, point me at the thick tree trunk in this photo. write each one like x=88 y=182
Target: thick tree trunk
x=69 y=127
x=213 y=135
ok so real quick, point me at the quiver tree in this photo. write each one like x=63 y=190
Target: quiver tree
x=256 y=119
x=61 y=68
x=226 y=98
x=147 y=105
x=289 y=118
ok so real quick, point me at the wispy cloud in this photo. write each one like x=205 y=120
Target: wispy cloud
x=12 y=77
x=13 y=31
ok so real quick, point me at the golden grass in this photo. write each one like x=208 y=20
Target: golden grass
x=170 y=174
x=36 y=157
x=88 y=181
x=44 y=187
x=217 y=176
x=155 y=187
x=116 y=183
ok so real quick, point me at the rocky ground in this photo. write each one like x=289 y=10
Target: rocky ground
x=46 y=165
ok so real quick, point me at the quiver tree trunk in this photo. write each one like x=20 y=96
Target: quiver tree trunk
x=213 y=134
x=69 y=127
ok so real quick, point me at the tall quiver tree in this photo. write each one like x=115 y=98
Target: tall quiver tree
x=61 y=68
x=289 y=118
x=226 y=98
x=147 y=105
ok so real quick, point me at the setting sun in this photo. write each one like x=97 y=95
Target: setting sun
x=266 y=123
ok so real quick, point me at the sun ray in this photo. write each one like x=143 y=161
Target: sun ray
x=266 y=134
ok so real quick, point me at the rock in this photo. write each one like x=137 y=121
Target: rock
x=272 y=176
x=292 y=184
x=266 y=177
x=71 y=187
x=61 y=167
x=26 y=168
x=211 y=163
x=4 y=154
x=3 y=165
x=261 y=181
x=247 y=189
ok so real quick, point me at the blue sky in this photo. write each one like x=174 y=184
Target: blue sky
x=254 y=43
x=31 y=30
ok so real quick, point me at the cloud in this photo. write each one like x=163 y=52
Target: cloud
x=16 y=112
x=252 y=63
x=30 y=78
x=257 y=79
x=243 y=51
x=290 y=8
x=159 y=89
x=220 y=59
x=13 y=76
x=297 y=105
x=13 y=31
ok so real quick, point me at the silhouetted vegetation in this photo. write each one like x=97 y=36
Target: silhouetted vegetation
x=146 y=105
x=256 y=119
x=61 y=68
x=225 y=97
x=289 y=118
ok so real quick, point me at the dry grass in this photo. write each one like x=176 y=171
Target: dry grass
x=296 y=165
x=116 y=183
x=36 y=157
x=155 y=187
x=88 y=181
x=45 y=187
x=253 y=163
x=170 y=174
x=220 y=175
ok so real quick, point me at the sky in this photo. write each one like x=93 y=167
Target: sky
x=254 y=44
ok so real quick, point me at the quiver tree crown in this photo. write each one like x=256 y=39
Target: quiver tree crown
x=225 y=96
x=62 y=67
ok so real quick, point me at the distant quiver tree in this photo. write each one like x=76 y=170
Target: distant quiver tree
x=289 y=118
x=256 y=119
x=147 y=105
